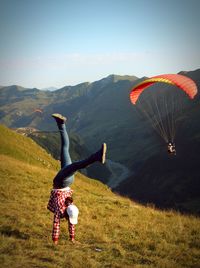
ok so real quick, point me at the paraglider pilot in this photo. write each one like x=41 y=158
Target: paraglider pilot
x=60 y=203
x=171 y=148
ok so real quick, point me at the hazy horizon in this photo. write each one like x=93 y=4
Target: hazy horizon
x=52 y=88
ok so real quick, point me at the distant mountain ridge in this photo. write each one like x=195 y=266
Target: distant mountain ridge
x=98 y=112
x=49 y=88
x=85 y=105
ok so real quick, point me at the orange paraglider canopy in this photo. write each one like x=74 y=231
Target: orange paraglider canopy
x=38 y=111
x=181 y=81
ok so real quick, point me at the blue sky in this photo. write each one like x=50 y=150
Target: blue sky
x=65 y=42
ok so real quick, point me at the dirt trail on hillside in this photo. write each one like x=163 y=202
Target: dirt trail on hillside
x=118 y=171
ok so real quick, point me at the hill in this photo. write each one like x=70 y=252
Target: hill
x=101 y=112
x=135 y=235
x=97 y=112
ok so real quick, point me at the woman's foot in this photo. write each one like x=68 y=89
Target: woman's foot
x=60 y=119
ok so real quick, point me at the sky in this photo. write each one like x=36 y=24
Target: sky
x=47 y=43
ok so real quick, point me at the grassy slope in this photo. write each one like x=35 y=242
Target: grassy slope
x=128 y=235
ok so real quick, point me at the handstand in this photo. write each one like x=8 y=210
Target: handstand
x=61 y=193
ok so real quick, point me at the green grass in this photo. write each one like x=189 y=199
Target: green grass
x=113 y=231
x=24 y=149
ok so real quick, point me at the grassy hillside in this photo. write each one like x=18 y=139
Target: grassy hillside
x=24 y=149
x=113 y=231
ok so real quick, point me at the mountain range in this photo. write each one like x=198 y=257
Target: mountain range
x=102 y=112
x=98 y=112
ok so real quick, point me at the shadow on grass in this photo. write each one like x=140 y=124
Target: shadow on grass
x=8 y=231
